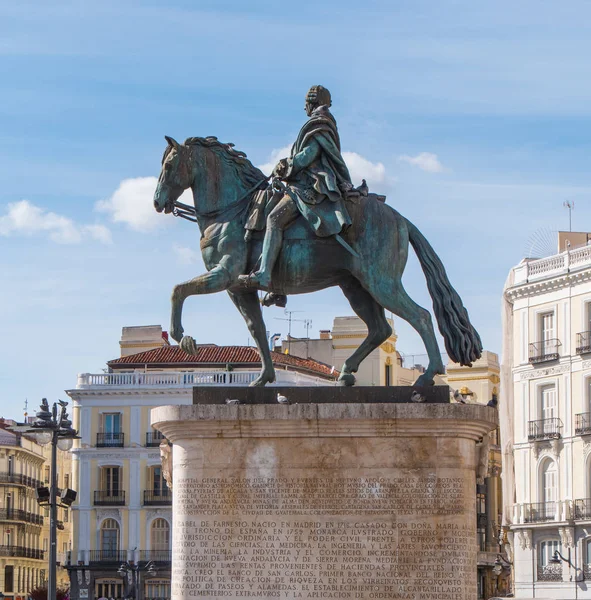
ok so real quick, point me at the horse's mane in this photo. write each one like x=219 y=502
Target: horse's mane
x=243 y=167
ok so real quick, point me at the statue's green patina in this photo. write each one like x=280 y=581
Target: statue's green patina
x=345 y=237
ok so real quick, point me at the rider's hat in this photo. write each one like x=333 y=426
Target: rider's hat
x=319 y=96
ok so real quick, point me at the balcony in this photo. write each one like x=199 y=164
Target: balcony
x=544 y=429
x=583 y=424
x=544 y=351
x=539 y=512
x=19 y=479
x=21 y=552
x=110 y=440
x=153 y=439
x=157 y=498
x=107 y=556
x=583 y=509
x=11 y=514
x=583 y=342
x=108 y=498
x=184 y=379
x=157 y=556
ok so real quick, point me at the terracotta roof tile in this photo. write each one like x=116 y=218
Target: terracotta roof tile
x=219 y=355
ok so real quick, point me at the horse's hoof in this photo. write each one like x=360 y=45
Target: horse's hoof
x=176 y=334
x=189 y=345
x=347 y=379
x=425 y=380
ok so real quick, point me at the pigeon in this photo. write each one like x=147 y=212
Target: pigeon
x=232 y=401
x=282 y=399
x=363 y=189
x=494 y=401
x=416 y=397
x=459 y=398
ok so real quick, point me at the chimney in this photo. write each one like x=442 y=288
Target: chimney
x=325 y=334
x=142 y=338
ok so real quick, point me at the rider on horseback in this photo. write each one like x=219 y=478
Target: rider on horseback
x=317 y=181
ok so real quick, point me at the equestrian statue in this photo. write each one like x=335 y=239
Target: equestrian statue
x=305 y=228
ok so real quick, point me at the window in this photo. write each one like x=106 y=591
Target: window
x=548 y=402
x=9 y=579
x=45 y=544
x=66 y=480
x=547 y=571
x=547 y=331
x=157 y=588
x=11 y=465
x=158 y=483
x=46 y=475
x=112 y=423
x=549 y=481
x=66 y=515
x=111 y=481
x=587 y=557
x=109 y=588
x=160 y=535
x=387 y=375
x=109 y=538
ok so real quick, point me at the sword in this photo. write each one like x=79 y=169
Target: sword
x=346 y=246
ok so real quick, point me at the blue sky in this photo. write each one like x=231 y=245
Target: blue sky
x=473 y=118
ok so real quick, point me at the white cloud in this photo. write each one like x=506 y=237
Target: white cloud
x=132 y=203
x=186 y=256
x=426 y=161
x=361 y=168
x=274 y=158
x=25 y=218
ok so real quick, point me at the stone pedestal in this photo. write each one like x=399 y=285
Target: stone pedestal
x=347 y=501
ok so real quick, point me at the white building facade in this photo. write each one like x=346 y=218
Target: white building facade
x=545 y=411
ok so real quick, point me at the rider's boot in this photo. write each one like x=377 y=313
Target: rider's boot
x=271 y=298
x=271 y=248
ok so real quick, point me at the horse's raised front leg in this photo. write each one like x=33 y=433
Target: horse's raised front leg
x=248 y=304
x=217 y=280
x=378 y=328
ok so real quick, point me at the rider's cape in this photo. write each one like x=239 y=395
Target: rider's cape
x=317 y=177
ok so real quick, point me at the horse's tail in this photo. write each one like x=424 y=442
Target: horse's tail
x=462 y=341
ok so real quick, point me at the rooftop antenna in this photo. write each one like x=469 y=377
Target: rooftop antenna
x=291 y=320
x=26 y=408
x=570 y=204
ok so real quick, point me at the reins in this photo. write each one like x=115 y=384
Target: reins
x=190 y=213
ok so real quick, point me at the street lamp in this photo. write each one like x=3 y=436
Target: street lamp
x=557 y=558
x=52 y=427
x=135 y=571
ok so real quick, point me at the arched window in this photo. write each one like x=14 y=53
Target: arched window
x=160 y=539
x=158 y=485
x=109 y=539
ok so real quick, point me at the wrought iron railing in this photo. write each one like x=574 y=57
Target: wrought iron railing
x=157 y=497
x=538 y=512
x=583 y=424
x=584 y=342
x=550 y=572
x=153 y=439
x=107 y=497
x=21 y=552
x=20 y=479
x=544 y=351
x=110 y=440
x=544 y=429
x=583 y=509
x=163 y=556
x=108 y=556
x=12 y=514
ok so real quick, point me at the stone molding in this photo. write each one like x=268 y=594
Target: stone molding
x=551 y=284
x=545 y=372
x=324 y=420
x=567 y=536
x=525 y=538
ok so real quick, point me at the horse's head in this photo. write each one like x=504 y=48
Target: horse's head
x=175 y=176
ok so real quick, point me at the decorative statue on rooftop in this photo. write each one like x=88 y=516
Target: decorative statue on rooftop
x=307 y=230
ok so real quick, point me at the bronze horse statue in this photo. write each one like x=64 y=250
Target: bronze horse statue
x=224 y=182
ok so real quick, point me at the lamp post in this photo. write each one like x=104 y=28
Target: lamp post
x=52 y=427
x=135 y=570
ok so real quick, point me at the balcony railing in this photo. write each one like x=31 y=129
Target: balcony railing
x=162 y=556
x=155 y=498
x=184 y=379
x=538 y=512
x=108 y=498
x=110 y=440
x=11 y=514
x=21 y=552
x=544 y=429
x=153 y=439
x=19 y=479
x=584 y=342
x=544 y=351
x=583 y=509
x=550 y=572
x=108 y=556
x=583 y=424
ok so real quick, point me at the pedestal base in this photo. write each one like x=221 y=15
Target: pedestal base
x=347 y=501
